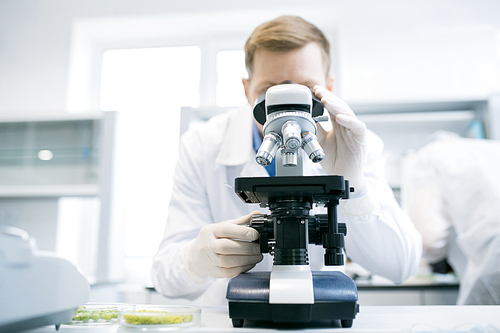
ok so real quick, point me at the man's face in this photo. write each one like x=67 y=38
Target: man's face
x=303 y=66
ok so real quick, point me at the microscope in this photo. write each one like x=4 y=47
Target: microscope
x=291 y=294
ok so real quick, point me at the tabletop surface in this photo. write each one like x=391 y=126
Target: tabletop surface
x=407 y=319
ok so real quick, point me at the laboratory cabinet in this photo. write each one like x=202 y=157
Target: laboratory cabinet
x=370 y=293
x=406 y=127
x=424 y=294
x=50 y=157
x=58 y=182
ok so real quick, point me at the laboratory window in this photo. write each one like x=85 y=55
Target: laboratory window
x=148 y=86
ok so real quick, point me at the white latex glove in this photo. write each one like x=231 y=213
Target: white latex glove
x=223 y=250
x=345 y=144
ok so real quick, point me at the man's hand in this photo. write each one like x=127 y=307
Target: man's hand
x=345 y=144
x=223 y=250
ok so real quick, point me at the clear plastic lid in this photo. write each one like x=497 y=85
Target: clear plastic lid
x=159 y=316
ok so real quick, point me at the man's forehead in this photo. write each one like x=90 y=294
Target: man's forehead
x=305 y=82
x=274 y=66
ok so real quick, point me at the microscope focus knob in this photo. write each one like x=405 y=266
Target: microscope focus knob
x=333 y=243
x=333 y=240
x=265 y=226
x=334 y=257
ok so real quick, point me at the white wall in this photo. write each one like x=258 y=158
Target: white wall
x=35 y=41
x=395 y=50
x=420 y=50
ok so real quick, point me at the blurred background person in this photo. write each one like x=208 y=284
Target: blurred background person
x=451 y=190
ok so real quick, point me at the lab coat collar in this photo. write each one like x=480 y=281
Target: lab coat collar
x=237 y=147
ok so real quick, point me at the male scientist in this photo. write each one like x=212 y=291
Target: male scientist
x=205 y=242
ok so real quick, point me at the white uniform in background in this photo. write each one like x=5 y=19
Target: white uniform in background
x=384 y=241
x=451 y=190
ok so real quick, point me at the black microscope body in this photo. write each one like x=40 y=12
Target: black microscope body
x=291 y=293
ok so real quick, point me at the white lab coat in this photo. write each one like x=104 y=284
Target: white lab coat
x=380 y=236
x=451 y=190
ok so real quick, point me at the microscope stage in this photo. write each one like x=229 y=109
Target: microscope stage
x=316 y=189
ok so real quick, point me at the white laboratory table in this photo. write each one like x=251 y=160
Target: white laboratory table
x=407 y=319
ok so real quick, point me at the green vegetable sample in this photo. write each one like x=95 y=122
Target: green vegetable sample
x=84 y=314
x=145 y=317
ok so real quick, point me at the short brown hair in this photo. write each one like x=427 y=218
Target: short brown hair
x=285 y=33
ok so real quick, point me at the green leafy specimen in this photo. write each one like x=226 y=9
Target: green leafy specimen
x=145 y=317
x=84 y=314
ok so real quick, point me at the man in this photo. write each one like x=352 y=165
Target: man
x=203 y=239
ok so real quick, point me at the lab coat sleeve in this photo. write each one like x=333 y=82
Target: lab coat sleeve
x=188 y=212
x=422 y=199
x=381 y=237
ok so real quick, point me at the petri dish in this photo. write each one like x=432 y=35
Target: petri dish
x=163 y=317
x=96 y=313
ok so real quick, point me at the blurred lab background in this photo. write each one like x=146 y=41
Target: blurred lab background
x=95 y=94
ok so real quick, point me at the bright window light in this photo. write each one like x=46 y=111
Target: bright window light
x=151 y=76
x=230 y=70
x=147 y=87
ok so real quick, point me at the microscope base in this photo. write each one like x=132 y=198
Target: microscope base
x=335 y=299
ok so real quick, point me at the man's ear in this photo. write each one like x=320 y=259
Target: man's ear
x=246 y=85
x=330 y=80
